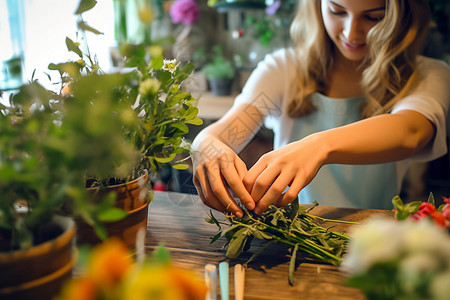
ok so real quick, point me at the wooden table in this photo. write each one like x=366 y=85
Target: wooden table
x=177 y=221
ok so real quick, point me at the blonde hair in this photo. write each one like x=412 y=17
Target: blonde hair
x=390 y=66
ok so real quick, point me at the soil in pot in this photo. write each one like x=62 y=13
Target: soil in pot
x=132 y=197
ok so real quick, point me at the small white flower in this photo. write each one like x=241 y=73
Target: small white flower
x=414 y=267
x=378 y=240
x=170 y=65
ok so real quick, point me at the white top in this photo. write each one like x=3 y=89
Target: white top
x=367 y=186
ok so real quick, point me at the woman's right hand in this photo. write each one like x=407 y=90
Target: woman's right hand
x=215 y=166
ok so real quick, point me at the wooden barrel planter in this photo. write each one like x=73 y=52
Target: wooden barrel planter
x=39 y=272
x=132 y=197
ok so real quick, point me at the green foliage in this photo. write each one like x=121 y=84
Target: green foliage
x=220 y=67
x=97 y=125
x=292 y=226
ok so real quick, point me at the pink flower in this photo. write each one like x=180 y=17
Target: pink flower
x=446 y=211
x=272 y=9
x=185 y=11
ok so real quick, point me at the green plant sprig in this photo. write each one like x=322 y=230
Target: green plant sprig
x=292 y=226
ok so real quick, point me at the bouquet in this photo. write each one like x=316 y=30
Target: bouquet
x=407 y=257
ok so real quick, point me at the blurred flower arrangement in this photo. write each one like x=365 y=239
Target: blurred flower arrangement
x=403 y=258
x=418 y=210
x=109 y=273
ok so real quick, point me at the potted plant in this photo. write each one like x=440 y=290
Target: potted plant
x=220 y=73
x=95 y=125
x=45 y=153
x=155 y=114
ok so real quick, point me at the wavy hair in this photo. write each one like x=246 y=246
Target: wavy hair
x=389 y=68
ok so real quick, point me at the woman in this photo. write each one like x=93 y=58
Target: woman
x=351 y=106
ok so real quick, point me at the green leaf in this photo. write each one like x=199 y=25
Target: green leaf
x=157 y=62
x=180 y=166
x=181 y=127
x=292 y=265
x=431 y=199
x=165 y=160
x=71 y=68
x=85 y=27
x=216 y=237
x=237 y=243
x=100 y=231
x=112 y=214
x=162 y=255
x=212 y=219
x=84 y=6
x=71 y=46
x=196 y=121
x=188 y=68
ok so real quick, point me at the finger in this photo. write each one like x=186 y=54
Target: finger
x=263 y=183
x=218 y=188
x=292 y=193
x=274 y=192
x=250 y=177
x=232 y=175
x=203 y=186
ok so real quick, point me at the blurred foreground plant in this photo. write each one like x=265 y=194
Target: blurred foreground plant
x=110 y=274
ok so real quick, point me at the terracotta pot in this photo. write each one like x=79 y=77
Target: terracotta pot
x=132 y=197
x=39 y=272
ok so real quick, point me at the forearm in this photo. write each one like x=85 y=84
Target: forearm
x=235 y=129
x=380 y=139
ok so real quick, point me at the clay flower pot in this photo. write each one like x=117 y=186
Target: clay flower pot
x=132 y=197
x=40 y=271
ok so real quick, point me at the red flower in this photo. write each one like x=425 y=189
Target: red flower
x=427 y=209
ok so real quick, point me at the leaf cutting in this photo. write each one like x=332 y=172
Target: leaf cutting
x=292 y=226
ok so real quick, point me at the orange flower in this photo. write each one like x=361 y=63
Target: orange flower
x=82 y=288
x=193 y=288
x=109 y=262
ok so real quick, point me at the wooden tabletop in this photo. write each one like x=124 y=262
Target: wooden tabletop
x=178 y=222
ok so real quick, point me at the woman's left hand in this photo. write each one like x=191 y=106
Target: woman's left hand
x=292 y=166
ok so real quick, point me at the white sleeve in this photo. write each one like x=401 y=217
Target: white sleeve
x=431 y=98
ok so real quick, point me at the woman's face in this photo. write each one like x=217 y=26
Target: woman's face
x=347 y=23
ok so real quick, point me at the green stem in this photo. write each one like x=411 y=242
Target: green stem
x=333 y=221
x=292 y=240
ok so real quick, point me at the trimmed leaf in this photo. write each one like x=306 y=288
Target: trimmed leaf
x=237 y=243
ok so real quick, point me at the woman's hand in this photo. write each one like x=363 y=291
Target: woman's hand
x=292 y=166
x=215 y=165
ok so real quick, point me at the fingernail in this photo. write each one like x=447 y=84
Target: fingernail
x=257 y=211
x=238 y=214
x=251 y=206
